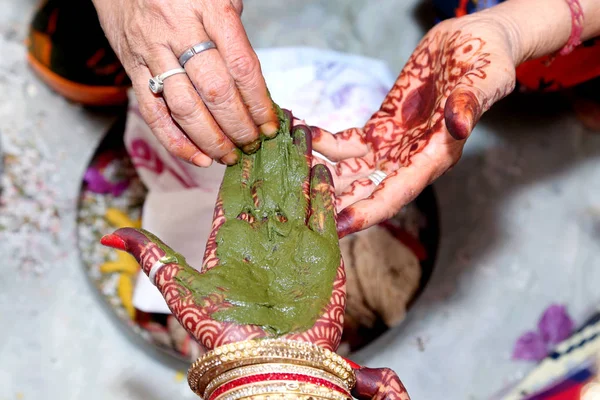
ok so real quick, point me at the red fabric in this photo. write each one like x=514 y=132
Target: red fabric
x=582 y=65
x=353 y=365
x=572 y=393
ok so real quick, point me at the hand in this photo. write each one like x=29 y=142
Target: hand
x=222 y=104
x=272 y=265
x=456 y=73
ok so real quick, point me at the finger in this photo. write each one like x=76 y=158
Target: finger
x=378 y=383
x=188 y=110
x=322 y=204
x=226 y=30
x=167 y=270
x=156 y=114
x=149 y=251
x=237 y=194
x=346 y=144
x=358 y=190
x=348 y=171
x=399 y=188
x=301 y=138
x=213 y=81
x=238 y=5
x=474 y=95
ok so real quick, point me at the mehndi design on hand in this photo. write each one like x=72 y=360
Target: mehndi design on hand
x=272 y=265
x=452 y=77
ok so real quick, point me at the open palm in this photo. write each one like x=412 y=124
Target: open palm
x=456 y=73
x=272 y=265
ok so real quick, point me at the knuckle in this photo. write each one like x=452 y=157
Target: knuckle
x=247 y=135
x=262 y=113
x=156 y=6
x=217 y=146
x=154 y=116
x=183 y=103
x=218 y=89
x=238 y=5
x=244 y=67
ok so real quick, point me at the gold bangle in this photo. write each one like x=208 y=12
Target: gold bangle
x=266 y=351
x=260 y=369
x=282 y=390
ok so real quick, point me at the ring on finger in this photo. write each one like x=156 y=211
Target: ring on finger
x=196 y=49
x=156 y=83
x=377 y=177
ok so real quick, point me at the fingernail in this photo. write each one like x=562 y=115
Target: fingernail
x=344 y=224
x=269 y=129
x=348 y=222
x=114 y=241
x=323 y=173
x=252 y=147
x=201 y=160
x=231 y=158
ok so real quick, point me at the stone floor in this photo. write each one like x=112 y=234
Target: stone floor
x=520 y=220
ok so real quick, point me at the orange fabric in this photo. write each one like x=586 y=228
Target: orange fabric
x=79 y=93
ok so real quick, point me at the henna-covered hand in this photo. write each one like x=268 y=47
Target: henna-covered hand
x=460 y=68
x=272 y=261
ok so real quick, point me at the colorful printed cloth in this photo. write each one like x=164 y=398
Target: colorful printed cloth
x=569 y=372
x=582 y=65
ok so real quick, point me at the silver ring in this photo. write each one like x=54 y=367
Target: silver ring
x=196 y=49
x=156 y=84
x=377 y=177
x=154 y=270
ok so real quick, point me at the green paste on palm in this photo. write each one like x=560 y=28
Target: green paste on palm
x=277 y=275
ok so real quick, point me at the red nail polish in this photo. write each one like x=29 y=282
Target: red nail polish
x=114 y=241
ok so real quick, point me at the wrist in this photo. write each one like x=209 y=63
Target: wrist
x=543 y=27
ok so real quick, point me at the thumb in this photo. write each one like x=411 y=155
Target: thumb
x=148 y=250
x=474 y=95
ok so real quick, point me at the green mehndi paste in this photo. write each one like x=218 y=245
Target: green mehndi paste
x=277 y=275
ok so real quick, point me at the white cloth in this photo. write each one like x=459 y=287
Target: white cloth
x=328 y=89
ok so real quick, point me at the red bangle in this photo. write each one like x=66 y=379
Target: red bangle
x=576 y=27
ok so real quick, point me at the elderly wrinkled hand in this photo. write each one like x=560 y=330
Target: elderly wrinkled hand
x=221 y=104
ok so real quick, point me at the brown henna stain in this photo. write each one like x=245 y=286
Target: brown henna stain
x=418 y=109
x=461 y=113
x=316 y=133
x=419 y=104
x=349 y=222
x=288 y=114
x=378 y=383
x=368 y=381
x=303 y=138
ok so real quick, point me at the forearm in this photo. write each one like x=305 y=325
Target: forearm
x=544 y=26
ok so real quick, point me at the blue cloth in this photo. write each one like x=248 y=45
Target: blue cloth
x=447 y=8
